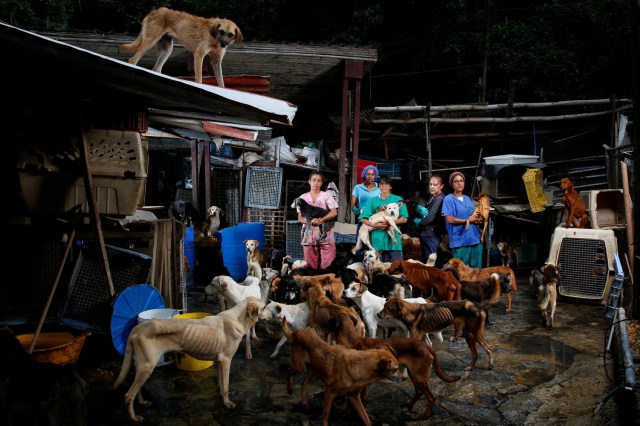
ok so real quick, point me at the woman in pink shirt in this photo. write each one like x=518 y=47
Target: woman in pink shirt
x=318 y=253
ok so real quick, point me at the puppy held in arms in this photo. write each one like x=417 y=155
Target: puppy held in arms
x=389 y=214
x=310 y=212
x=199 y=36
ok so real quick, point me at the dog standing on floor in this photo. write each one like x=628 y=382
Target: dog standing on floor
x=418 y=356
x=297 y=316
x=215 y=338
x=575 y=211
x=343 y=371
x=423 y=278
x=548 y=293
x=199 y=36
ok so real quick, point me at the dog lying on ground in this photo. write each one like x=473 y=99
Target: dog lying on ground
x=487 y=292
x=548 y=293
x=389 y=214
x=32 y=392
x=575 y=211
x=297 y=316
x=423 y=278
x=416 y=355
x=233 y=293
x=310 y=212
x=211 y=338
x=199 y=36
x=467 y=273
x=343 y=371
x=482 y=209
x=467 y=318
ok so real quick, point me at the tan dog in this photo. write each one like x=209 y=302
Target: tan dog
x=506 y=252
x=199 y=36
x=575 y=211
x=423 y=278
x=418 y=356
x=548 y=293
x=462 y=314
x=211 y=338
x=482 y=209
x=343 y=371
x=466 y=273
x=389 y=214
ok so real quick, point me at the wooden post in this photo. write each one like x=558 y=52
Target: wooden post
x=628 y=212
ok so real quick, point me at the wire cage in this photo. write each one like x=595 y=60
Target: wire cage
x=226 y=193
x=274 y=226
x=263 y=187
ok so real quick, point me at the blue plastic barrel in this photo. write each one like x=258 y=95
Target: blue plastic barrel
x=234 y=252
x=190 y=253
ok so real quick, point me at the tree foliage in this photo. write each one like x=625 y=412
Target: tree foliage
x=432 y=51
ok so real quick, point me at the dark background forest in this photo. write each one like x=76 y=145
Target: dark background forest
x=430 y=51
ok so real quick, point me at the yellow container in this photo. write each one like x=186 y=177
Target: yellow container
x=533 y=184
x=58 y=347
x=186 y=362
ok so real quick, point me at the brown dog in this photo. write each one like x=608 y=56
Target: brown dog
x=466 y=273
x=482 y=209
x=417 y=355
x=211 y=338
x=487 y=291
x=342 y=370
x=462 y=314
x=423 y=278
x=199 y=36
x=575 y=211
x=548 y=293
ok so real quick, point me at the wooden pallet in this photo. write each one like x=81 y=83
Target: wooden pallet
x=274 y=226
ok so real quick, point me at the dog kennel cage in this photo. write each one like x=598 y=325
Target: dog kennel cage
x=586 y=260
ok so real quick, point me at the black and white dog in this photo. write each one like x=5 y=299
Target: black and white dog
x=312 y=212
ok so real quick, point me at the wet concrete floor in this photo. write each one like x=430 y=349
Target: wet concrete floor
x=540 y=377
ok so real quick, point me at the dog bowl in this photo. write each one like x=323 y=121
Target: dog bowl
x=186 y=362
x=58 y=348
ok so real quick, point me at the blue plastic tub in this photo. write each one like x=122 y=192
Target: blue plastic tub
x=234 y=252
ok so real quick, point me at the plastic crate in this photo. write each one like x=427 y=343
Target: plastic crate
x=263 y=187
x=88 y=305
x=294 y=239
x=535 y=193
x=345 y=238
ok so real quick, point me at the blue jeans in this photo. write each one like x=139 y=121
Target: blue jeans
x=429 y=245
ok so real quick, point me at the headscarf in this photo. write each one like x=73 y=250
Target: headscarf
x=453 y=175
x=366 y=169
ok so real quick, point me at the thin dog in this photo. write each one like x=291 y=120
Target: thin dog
x=342 y=370
x=211 y=338
x=423 y=278
x=418 y=356
x=575 y=211
x=466 y=273
x=482 y=209
x=389 y=214
x=548 y=293
x=199 y=36
x=487 y=292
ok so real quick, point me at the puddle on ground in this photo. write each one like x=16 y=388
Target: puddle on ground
x=542 y=358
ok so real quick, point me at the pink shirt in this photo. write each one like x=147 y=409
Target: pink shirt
x=325 y=201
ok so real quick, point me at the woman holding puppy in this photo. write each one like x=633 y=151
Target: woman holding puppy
x=380 y=239
x=457 y=208
x=318 y=253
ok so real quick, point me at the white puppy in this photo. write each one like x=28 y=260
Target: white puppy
x=297 y=318
x=389 y=214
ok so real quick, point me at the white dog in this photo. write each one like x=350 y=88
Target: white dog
x=389 y=214
x=234 y=293
x=213 y=219
x=210 y=338
x=297 y=318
